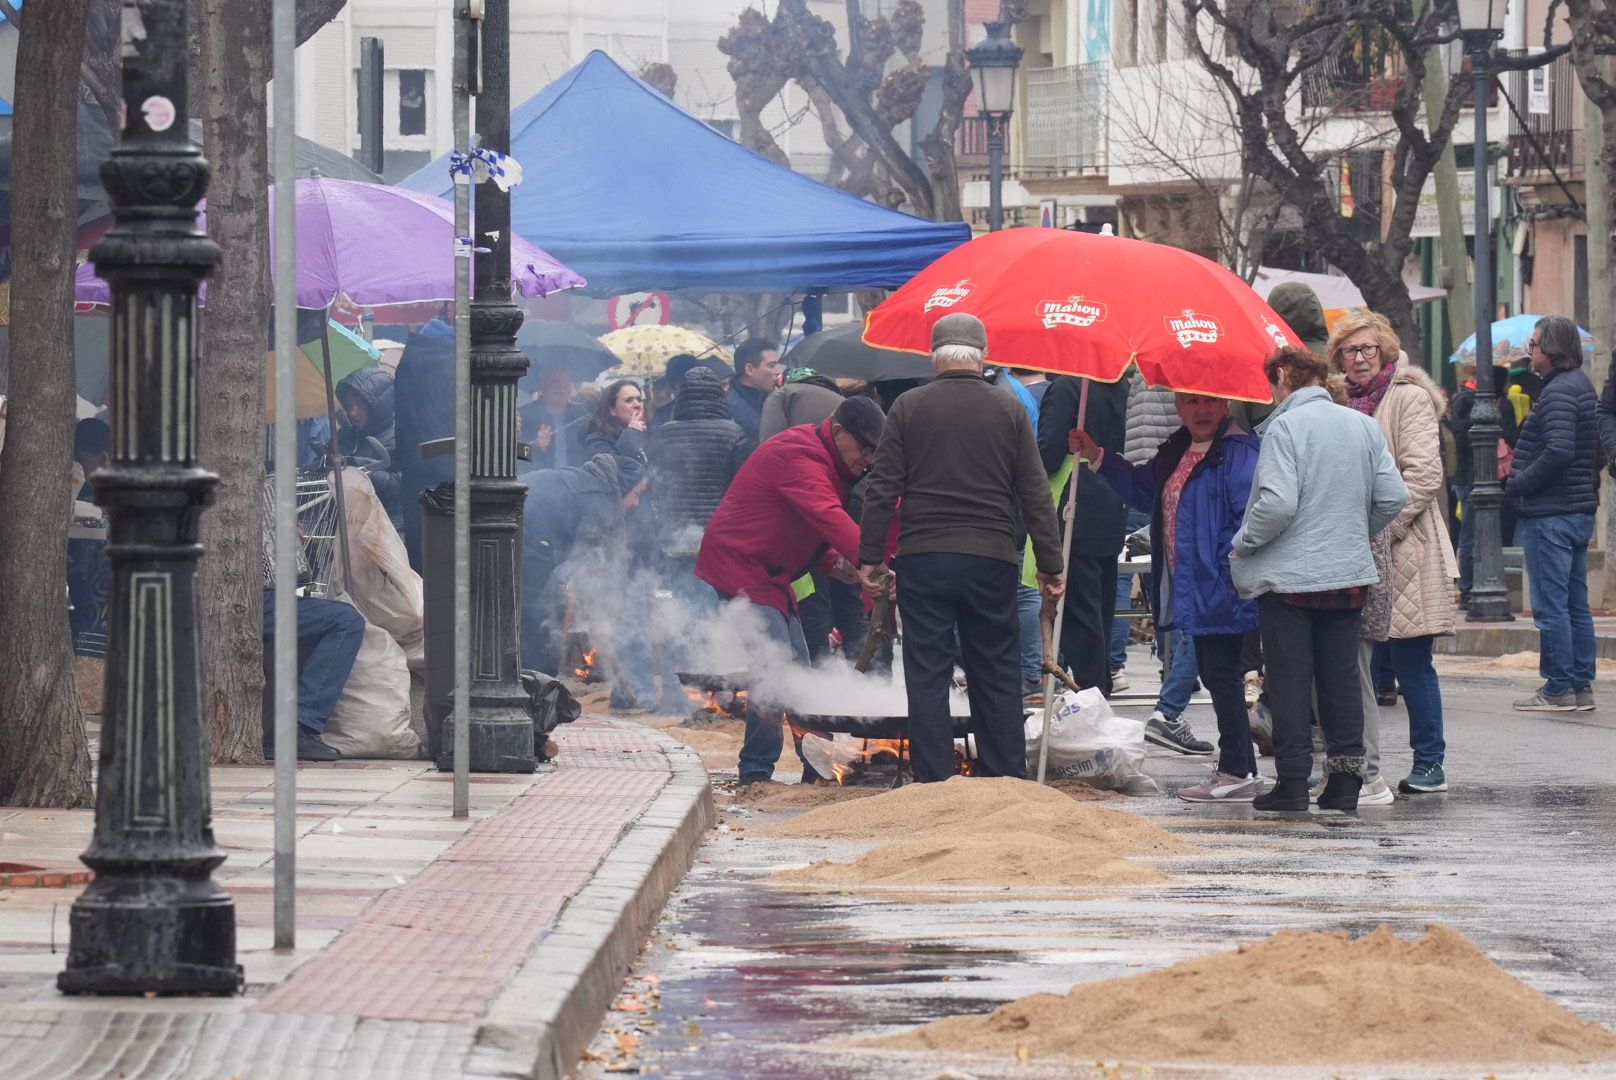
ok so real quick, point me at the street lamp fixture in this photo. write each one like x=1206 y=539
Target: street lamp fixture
x=1481 y=24
x=993 y=62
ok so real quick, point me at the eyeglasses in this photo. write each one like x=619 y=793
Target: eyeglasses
x=1368 y=352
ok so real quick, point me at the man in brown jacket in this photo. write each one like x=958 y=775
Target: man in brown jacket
x=963 y=457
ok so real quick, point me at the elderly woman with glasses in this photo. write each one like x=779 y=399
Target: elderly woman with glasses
x=1553 y=488
x=1408 y=407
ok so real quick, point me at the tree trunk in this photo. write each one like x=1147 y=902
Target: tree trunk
x=44 y=754
x=234 y=36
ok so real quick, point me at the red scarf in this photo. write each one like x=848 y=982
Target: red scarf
x=1365 y=397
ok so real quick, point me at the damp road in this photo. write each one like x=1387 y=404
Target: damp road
x=742 y=978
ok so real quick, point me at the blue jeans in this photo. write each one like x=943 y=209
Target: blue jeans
x=1382 y=668
x=1556 y=549
x=331 y=632
x=1422 y=695
x=1467 y=539
x=1029 y=605
x=1181 y=675
x=1137 y=519
x=761 y=747
x=1122 y=627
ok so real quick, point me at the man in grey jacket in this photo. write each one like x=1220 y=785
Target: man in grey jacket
x=1325 y=484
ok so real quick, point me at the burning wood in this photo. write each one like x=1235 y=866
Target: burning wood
x=714 y=703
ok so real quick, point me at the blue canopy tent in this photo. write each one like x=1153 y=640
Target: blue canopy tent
x=636 y=194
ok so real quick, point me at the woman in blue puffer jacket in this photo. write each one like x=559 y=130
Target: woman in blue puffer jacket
x=1196 y=488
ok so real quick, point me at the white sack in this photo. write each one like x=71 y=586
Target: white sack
x=372 y=717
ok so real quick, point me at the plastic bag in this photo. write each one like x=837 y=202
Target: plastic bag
x=372 y=717
x=551 y=704
x=1089 y=742
x=384 y=588
x=831 y=755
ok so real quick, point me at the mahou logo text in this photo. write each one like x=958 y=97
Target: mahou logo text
x=1073 y=311
x=1192 y=329
x=949 y=295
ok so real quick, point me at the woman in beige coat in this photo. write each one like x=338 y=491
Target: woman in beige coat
x=1409 y=407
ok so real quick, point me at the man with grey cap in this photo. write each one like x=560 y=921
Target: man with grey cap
x=963 y=458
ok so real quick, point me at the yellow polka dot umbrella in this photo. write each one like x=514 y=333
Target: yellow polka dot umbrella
x=646 y=350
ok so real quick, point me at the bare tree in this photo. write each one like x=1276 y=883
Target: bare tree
x=44 y=753
x=234 y=36
x=797 y=46
x=1264 y=52
x=1174 y=126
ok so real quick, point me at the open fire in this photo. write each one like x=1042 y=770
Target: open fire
x=716 y=703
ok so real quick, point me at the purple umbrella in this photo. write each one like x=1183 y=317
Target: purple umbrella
x=377 y=245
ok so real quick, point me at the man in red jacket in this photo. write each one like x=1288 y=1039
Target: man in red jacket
x=784 y=514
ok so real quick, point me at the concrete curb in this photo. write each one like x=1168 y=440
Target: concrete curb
x=1501 y=640
x=550 y=1010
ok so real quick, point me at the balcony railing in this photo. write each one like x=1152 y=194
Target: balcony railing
x=1346 y=83
x=971 y=140
x=1551 y=137
x=1066 y=120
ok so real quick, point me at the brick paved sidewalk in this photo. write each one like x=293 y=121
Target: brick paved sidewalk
x=412 y=927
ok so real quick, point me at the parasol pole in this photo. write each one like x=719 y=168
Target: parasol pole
x=462 y=411
x=1069 y=513
x=286 y=541
x=334 y=462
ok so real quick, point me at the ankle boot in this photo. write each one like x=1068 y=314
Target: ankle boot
x=1340 y=792
x=1343 y=779
x=1284 y=795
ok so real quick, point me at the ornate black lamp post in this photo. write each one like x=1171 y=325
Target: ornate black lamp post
x=1481 y=22
x=993 y=64
x=501 y=726
x=153 y=920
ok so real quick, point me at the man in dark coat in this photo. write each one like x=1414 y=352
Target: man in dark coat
x=366 y=397
x=757 y=366
x=1102 y=520
x=1554 y=488
x=570 y=511
x=962 y=457
x=423 y=400
x=547 y=416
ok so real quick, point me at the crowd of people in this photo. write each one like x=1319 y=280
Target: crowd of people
x=1316 y=546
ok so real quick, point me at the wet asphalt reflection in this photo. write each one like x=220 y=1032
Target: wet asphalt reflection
x=749 y=979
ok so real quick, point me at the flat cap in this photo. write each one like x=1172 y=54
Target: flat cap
x=959 y=329
x=863 y=418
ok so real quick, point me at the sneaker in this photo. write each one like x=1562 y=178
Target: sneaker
x=310 y=747
x=1424 y=778
x=1119 y=679
x=1221 y=787
x=1585 y=699
x=1175 y=735
x=1545 y=702
x=1375 y=793
x=1386 y=697
x=757 y=778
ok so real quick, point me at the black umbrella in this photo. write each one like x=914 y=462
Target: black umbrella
x=548 y=342
x=842 y=354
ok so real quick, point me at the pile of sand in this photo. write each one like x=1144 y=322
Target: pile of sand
x=979 y=832
x=788 y=796
x=1527 y=662
x=1293 y=999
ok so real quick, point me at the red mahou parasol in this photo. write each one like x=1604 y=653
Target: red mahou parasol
x=1084 y=304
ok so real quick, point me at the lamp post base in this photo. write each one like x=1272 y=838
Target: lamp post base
x=501 y=739
x=152 y=934
x=1489 y=607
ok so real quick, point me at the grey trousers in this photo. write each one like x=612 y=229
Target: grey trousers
x=1371 y=714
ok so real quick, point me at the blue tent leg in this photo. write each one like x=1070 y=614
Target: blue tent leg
x=813 y=313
